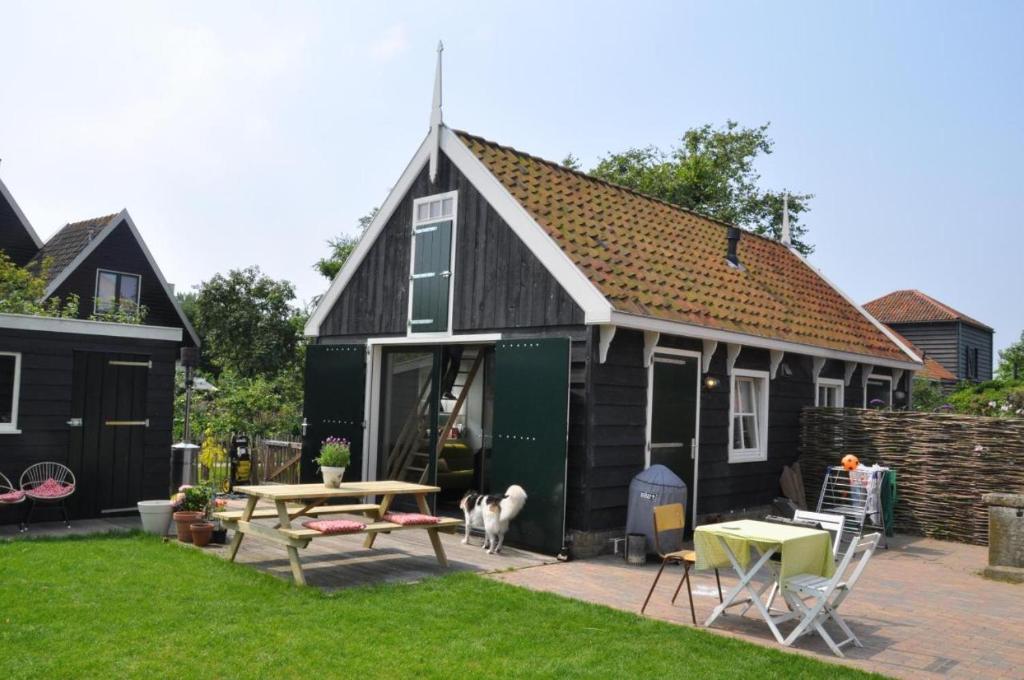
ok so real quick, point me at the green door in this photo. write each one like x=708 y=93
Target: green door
x=333 y=404
x=531 y=413
x=431 y=274
x=673 y=414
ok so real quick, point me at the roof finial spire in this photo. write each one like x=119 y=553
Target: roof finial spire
x=436 y=120
x=787 y=239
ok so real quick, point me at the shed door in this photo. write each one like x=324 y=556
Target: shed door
x=333 y=404
x=672 y=414
x=531 y=414
x=108 y=425
x=431 y=274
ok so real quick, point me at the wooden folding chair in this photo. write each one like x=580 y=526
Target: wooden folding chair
x=817 y=599
x=672 y=517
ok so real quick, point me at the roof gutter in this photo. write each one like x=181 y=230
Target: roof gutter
x=646 y=323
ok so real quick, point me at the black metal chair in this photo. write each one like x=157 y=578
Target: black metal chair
x=46 y=483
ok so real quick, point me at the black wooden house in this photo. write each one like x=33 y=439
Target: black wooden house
x=505 y=320
x=94 y=395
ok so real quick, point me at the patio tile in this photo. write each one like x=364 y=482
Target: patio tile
x=921 y=609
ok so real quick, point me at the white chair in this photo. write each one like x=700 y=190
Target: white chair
x=817 y=599
x=833 y=524
x=47 y=483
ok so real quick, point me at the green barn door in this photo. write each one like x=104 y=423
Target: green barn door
x=333 y=404
x=431 y=274
x=531 y=409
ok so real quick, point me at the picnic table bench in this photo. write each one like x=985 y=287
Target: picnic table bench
x=292 y=501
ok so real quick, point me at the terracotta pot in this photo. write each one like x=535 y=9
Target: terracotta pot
x=201 y=533
x=182 y=519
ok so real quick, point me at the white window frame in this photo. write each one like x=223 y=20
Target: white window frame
x=875 y=376
x=96 y=290
x=830 y=382
x=760 y=453
x=12 y=427
x=454 y=195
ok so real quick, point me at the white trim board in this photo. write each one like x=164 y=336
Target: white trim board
x=5 y=192
x=646 y=323
x=123 y=216
x=49 y=324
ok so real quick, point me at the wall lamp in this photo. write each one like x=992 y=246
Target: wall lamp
x=711 y=382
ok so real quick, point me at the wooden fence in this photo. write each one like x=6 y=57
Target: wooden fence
x=943 y=463
x=274 y=460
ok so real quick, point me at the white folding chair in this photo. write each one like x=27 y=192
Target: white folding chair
x=817 y=599
x=833 y=524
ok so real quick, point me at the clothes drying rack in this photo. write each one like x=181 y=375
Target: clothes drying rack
x=857 y=496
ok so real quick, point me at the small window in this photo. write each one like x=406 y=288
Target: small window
x=829 y=393
x=878 y=392
x=10 y=383
x=434 y=209
x=116 y=290
x=748 y=416
x=971 y=362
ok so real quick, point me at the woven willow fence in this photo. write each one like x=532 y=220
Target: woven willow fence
x=944 y=463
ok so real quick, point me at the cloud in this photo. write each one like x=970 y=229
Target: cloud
x=393 y=42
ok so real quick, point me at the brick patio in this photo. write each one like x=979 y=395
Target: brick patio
x=921 y=609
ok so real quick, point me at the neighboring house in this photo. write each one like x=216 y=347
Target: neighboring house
x=515 y=321
x=93 y=395
x=961 y=344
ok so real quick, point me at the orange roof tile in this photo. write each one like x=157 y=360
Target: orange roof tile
x=651 y=258
x=909 y=306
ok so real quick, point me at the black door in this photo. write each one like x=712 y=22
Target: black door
x=531 y=408
x=108 y=431
x=333 y=404
x=431 y=275
x=673 y=413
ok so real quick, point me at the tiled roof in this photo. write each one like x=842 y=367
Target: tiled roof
x=910 y=306
x=64 y=246
x=654 y=259
x=932 y=370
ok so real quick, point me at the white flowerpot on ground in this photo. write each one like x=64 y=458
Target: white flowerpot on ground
x=332 y=476
x=156 y=516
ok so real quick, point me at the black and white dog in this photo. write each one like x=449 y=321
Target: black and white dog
x=492 y=513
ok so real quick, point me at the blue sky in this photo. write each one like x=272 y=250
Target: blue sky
x=249 y=133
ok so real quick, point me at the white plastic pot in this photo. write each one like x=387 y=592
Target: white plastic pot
x=156 y=516
x=332 y=476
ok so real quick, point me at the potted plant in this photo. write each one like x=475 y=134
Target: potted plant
x=189 y=505
x=220 y=532
x=335 y=455
x=201 y=532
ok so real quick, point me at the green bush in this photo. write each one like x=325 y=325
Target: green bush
x=1000 y=398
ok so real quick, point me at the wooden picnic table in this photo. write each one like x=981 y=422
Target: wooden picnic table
x=311 y=500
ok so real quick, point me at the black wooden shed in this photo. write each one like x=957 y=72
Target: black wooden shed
x=505 y=319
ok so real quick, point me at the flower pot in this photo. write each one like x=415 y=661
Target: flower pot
x=332 y=476
x=156 y=516
x=201 y=533
x=183 y=518
x=219 y=536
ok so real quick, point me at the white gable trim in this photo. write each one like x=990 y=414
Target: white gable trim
x=20 y=215
x=595 y=306
x=646 y=323
x=49 y=324
x=877 y=324
x=376 y=226
x=123 y=216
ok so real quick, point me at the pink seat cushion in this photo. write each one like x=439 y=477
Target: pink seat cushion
x=329 y=527
x=12 y=496
x=410 y=518
x=51 y=488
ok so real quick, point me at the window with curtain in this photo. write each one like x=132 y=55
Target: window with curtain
x=748 y=416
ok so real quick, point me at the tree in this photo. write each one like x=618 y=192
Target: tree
x=711 y=172
x=342 y=247
x=23 y=291
x=1011 y=361
x=247 y=323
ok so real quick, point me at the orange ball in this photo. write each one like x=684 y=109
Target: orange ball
x=850 y=461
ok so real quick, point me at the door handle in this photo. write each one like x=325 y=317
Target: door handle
x=693 y=448
x=445 y=275
x=75 y=422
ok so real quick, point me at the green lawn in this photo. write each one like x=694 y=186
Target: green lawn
x=132 y=606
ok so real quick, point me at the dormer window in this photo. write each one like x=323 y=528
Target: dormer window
x=116 y=291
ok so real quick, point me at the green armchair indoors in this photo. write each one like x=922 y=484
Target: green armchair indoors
x=455 y=467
